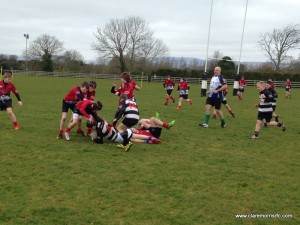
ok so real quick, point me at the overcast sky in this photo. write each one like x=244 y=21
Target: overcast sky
x=181 y=25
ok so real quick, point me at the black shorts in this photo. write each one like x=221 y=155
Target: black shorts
x=241 y=90
x=4 y=104
x=169 y=92
x=265 y=115
x=66 y=106
x=184 y=96
x=216 y=102
x=274 y=107
x=130 y=122
x=287 y=89
x=155 y=131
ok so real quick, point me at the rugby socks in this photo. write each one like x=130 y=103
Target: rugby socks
x=223 y=122
x=256 y=133
x=16 y=125
x=167 y=100
x=68 y=130
x=206 y=118
x=173 y=99
x=165 y=125
x=61 y=132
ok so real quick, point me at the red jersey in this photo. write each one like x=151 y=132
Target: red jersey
x=132 y=84
x=6 y=88
x=90 y=95
x=183 y=88
x=83 y=105
x=143 y=132
x=74 y=95
x=127 y=89
x=242 y=84
x=169 y=84
x=288 y=85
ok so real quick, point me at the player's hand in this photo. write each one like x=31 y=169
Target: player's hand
x=20 y=103
x=256 y=105
x=91 y=119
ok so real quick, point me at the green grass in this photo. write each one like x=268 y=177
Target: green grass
x=196 y=176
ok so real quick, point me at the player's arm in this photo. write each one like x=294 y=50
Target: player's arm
x=120 y=112
x=16 y=93
x=136 y=87
x=113 y=89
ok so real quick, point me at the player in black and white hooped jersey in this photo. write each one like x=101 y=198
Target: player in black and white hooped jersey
x=128 y=109
x=265 y=110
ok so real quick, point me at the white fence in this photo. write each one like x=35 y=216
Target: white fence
x=138 y=78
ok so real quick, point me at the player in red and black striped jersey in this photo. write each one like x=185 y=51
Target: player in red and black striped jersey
x=265 y=109
x=75 y=95
x=288 y=86
x=127 y=86
x=169 y=85
x=183 y=89
x=86 y=108
x=241 y=90
x=6 y=86
x=89 y=94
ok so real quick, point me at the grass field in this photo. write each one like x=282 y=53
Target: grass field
x=196 y=176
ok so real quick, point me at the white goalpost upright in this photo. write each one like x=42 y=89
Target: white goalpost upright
x=237 y=77
x=204 y=75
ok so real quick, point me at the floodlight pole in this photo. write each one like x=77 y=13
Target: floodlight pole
x=204 y=75
x=26 y=37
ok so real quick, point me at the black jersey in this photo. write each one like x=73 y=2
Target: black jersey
x=266 y=98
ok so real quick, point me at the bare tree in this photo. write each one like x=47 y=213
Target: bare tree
x=44 y=48
x=277 y=44
x=45 y=44
x=129 y=40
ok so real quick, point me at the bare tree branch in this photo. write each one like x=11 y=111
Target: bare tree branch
x=277 y=44
x=129 y=40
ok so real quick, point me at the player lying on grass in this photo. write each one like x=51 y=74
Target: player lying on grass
x=150 y=128
x=102 y=130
